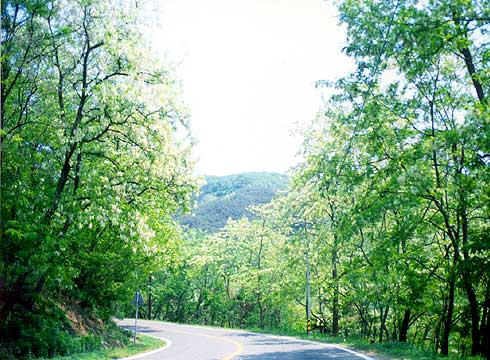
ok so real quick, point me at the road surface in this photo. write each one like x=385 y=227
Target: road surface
x=204 y=343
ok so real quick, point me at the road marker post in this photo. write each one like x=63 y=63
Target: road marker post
x=137 y=300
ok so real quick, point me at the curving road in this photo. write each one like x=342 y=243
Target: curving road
x=187 y=342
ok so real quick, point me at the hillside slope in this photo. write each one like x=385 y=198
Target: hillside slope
x=229 y=196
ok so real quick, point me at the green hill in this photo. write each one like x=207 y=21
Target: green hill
x=229 y=196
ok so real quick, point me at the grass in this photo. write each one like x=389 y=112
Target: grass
x=143 y=343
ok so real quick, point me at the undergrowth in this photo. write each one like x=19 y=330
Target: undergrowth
x=143 y=344
x=55 y=329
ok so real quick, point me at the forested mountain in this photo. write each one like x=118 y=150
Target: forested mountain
x=224 y=197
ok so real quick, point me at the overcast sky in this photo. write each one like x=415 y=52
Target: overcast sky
x=248 y=69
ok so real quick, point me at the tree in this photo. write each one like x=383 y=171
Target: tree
x=427 y=125
x=91 y=168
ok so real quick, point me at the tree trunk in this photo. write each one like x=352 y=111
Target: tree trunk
x=447 y=320
x=335 y=299
x=382 y=317
x=261 y=311
x=437 y=332
x=485 y=325
x=149 y=298
x=470 y=66
x=468 y=286
x=404 y=326
x=475 y=318
x=259 y=279
x=197 y=310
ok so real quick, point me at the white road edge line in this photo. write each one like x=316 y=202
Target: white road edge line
x=366 y=357
x=148 y=353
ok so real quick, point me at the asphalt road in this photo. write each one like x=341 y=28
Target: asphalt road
x=187 y=342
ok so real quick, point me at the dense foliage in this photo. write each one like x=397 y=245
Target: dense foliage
x=390 y=209
x=224 y=197
x=91 y=170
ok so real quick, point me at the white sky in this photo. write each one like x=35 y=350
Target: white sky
x=248 y=69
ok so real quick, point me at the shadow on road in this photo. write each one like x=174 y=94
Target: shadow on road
x=141 y=329
x=258 y=339
x=310 y=354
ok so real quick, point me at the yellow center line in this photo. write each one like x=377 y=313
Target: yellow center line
x=229 y=357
